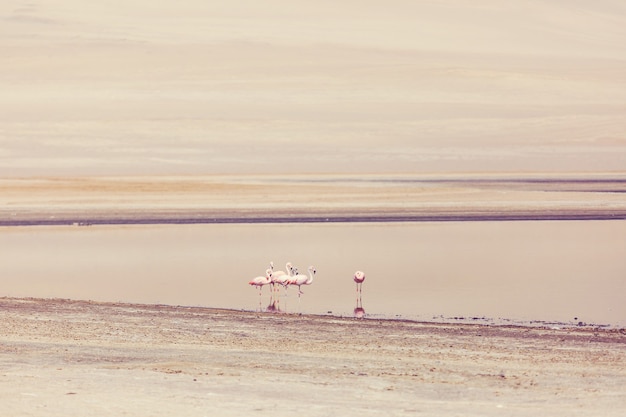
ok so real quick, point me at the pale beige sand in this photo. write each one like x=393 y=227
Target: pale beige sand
x=468 y=196
x=77 y=358
x=139 y=87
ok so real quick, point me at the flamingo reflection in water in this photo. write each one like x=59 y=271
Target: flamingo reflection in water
x=359 y=311
x=274 y=305
x=281 y=278
x=275 y=278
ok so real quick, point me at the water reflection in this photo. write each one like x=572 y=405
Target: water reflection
x=202 y=265
x=274 y=305
x=278 y=302
x=359 y=311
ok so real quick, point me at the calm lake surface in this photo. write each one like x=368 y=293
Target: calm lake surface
x=526 y=272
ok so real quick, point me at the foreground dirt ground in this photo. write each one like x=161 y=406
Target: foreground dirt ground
x=79 y=358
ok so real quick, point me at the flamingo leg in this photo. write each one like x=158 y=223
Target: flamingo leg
x=299 y=304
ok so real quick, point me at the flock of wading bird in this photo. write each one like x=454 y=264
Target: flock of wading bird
x=276 y=279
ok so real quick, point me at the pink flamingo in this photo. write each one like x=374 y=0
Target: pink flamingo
x=359 y=277
x=260 y=281
x=359 y=311
x=298 y=279
x=280 y=277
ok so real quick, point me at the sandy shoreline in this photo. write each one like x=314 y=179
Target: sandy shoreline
x=87 y=358
x=310 y=198
x=142 y=218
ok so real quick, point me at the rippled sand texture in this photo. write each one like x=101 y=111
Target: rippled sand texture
x=91 y=359
x=144 y=87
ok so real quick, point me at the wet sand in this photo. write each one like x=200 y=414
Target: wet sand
x=80 y=358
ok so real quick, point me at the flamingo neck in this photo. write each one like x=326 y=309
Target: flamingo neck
x=311 y=275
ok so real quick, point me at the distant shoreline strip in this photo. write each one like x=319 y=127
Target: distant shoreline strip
x=416 y=218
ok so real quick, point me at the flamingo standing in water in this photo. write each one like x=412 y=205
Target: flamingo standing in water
x=359 y=311
x=260 y=281
x=280 y=277
x=301 y=279
x=359 y=277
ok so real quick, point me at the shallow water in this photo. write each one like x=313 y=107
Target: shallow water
x=554 y=272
